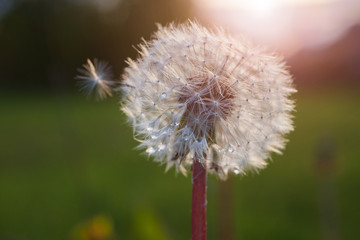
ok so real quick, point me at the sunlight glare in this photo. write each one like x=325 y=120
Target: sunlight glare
x=262 y=7
x=262 y=4
x=286 y=25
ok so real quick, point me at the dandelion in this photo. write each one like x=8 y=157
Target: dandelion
x=94 y=79
x=204 y=96
x=200 y=99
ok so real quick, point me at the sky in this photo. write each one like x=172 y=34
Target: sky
x=286 y=25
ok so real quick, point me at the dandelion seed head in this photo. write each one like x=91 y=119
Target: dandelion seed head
x=94 y=79
x=202 y=95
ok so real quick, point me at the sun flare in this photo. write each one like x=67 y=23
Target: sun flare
x=285 y=25
x=261 y=5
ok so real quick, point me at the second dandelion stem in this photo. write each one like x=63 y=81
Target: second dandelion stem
x=198 y=214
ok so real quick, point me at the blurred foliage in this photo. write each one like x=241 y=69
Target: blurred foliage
x=98 y=228
x=43 y=42
x=64 y=160
x=147 y=225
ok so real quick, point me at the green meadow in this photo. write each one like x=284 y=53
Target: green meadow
x=65 y=161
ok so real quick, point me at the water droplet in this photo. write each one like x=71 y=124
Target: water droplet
x=230 y=150
x=153 y=136
x=237 y=171
x=150 y=150
x=163 y=95
x=150 y=127
x=161 y=147
x=177 y=123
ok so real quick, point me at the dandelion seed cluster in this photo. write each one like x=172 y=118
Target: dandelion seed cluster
x=200 y=95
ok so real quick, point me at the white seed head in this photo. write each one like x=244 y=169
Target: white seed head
x=200 y=94
x=94 y=79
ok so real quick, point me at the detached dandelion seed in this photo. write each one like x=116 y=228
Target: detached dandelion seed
x=94 y=79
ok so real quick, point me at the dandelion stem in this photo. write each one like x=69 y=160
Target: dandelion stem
x=198 y=217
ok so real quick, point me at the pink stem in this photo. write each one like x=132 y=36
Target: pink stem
x=198 y=214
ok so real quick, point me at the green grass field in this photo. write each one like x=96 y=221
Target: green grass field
x=66 y=160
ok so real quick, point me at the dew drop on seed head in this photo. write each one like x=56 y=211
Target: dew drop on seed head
x=237 y=171
x=150 y=150
x=230 y=150
x=163 y=95
x=161 y=147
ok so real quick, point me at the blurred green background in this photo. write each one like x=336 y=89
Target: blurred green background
x=68 y=168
